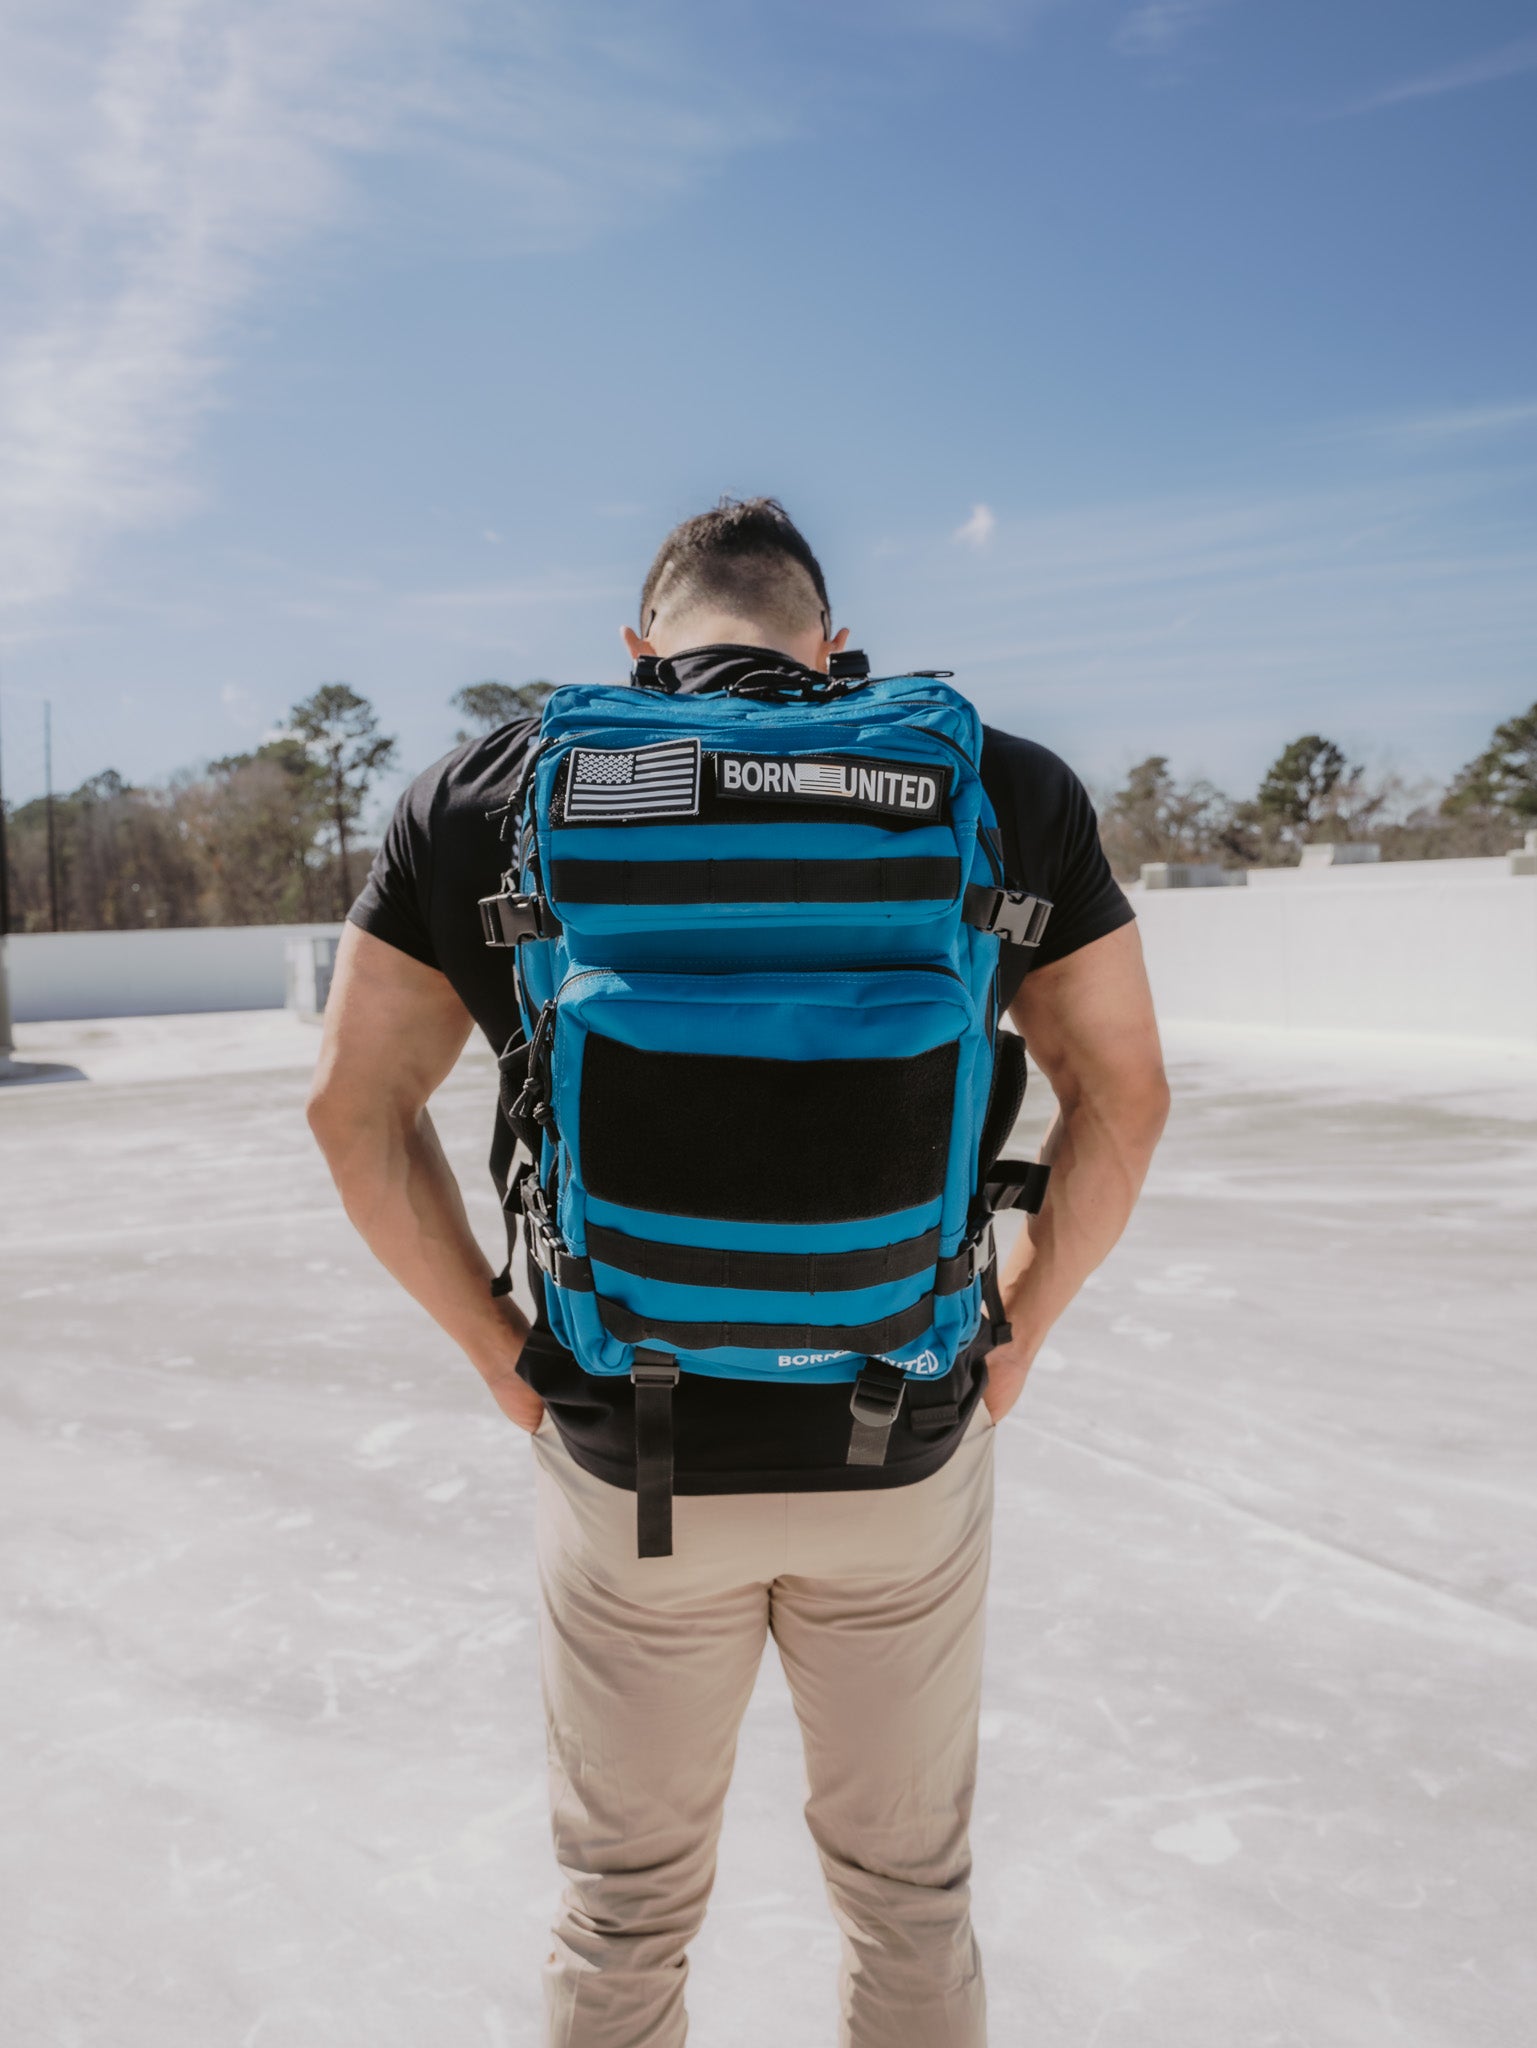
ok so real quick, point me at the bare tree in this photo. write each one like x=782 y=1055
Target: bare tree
x=1153 y=817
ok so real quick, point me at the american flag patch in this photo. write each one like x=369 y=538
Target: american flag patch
x=604 y=786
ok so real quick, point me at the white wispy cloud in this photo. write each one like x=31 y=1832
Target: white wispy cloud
x=1466 y=423
x=1488 y=68
x=160 y=162
x=1153 y=29
x=978 y=529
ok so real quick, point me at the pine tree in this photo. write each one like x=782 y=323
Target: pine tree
x=340 y=732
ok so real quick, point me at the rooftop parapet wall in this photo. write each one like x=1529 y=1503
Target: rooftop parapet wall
x=1451 y=954
x=1426 y=947
x=60 y=975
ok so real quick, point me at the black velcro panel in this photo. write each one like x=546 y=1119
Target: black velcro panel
x=692 y=1265
x=886 y=1335
x=926 y=878
x=761 y=1140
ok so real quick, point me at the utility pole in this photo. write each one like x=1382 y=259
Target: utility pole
x=53 y=849
x=7 y=1037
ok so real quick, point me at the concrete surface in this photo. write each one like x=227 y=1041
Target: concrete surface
x=1257 y=1743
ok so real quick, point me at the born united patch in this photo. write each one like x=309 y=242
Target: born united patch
x=894 y=786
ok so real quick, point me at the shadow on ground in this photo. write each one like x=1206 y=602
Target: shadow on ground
x=26 y=1073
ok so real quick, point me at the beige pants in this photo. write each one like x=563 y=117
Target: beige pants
x=875 y=1601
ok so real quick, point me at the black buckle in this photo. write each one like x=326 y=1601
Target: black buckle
x=654 y=1369
x=545 y=1247
x=875 y=1401
x=979 y=1252
x=655 y=672
x=509 y=919
x=1019 y=917
x=851 y=666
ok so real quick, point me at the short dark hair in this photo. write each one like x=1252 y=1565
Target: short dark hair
x=746 y=557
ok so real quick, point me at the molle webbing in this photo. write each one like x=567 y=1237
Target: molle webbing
x=925 y=878
x=689 y=1265
x=886 y=1335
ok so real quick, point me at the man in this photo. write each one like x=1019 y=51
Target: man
x=870 y=1579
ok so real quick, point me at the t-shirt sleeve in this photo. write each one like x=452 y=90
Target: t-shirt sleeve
x=1051 y=847
x=395 y=901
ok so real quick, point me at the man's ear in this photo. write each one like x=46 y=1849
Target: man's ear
x=836 y=645
x=635 y=647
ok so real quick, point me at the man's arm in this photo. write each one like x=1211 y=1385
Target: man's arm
x=393 y=1029
x=1088 y=1022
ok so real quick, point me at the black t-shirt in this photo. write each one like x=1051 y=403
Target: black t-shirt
x=443 y=852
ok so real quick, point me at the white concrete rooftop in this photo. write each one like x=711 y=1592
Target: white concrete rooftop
x=1258 y=1739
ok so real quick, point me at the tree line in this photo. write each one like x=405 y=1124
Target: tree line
x=273 y=836
x=1310 y=792
x=276 y=835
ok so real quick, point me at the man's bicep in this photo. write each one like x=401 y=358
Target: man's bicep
x=1088 y=1020
x=393 y=1027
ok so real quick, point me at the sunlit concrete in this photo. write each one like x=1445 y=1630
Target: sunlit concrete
x=1257 y=1741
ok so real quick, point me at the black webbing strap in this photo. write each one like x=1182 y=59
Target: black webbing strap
x=923 y=879
x=1018 y=1184
x=999 y=1327
x=689 y=1265
x=504 y=1147
x=887 y=1335
x=955 y=1275
x=1004 y=1101
x=874 y=1404
x=654 y=1374
x=933 y=1418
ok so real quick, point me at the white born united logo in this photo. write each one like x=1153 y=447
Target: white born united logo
x=903 y=788
x=604 y=785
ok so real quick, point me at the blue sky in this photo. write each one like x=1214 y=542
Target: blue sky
x=1169 y=370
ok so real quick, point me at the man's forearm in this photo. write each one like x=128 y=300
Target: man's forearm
x=400 y=1193
x=1098 y=1162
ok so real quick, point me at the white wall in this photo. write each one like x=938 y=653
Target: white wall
x=1447 y=947
x=1452 y=954
x=55 y=975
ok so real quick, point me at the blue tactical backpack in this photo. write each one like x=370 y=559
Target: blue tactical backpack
x=760 y=1080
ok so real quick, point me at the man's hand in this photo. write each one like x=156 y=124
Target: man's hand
x=1088 y=1023
x=1007 y=1370
x=393 y=1029
x=516 y=1399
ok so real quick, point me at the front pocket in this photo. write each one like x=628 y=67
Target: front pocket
x=766 y=1164
x=835 y=1100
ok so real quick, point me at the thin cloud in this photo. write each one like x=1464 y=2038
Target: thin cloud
x=159 y=163
x=978 y=530
x=1153 y=29
x=1189 y=619
x=1478 y=422
x=1507 y=62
